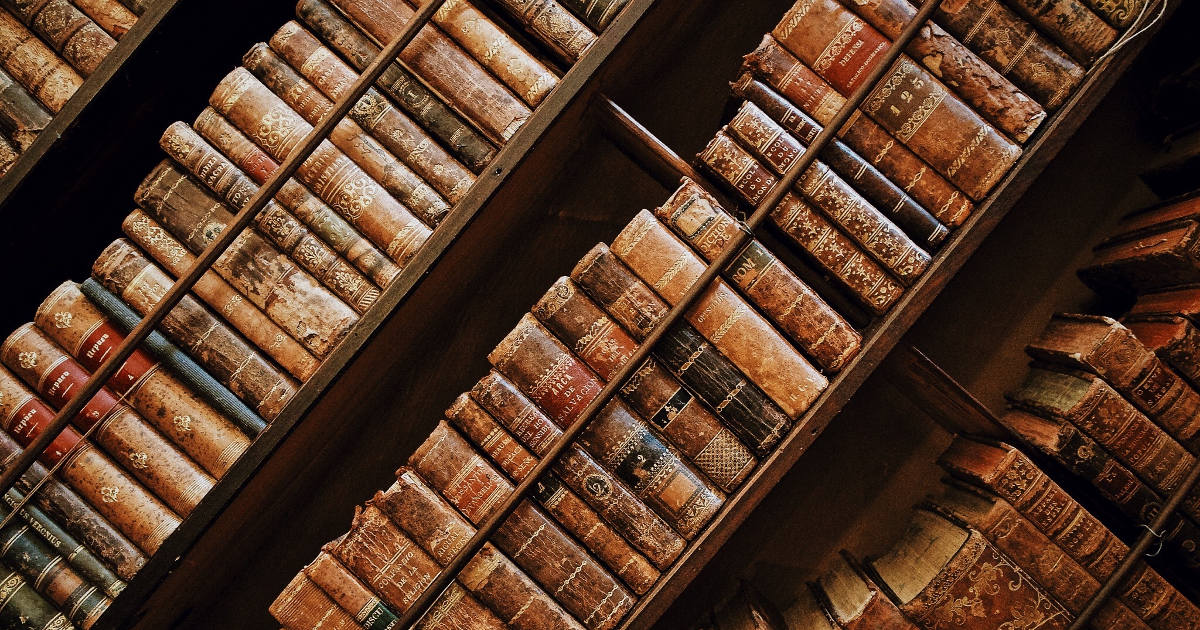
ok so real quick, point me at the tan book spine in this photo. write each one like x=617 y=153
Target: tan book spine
x=35 y=65
x=349 y=593
x=303 y=604
x=82 y=43
x=110 y=15
x=1070 y=23
x=552 y=24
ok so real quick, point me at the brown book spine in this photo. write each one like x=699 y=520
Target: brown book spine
x=1174 y=339
x=81 y=42
x=140 y=450
x=375 y=160
x=876 y=613
x=35 y=66
x=340 y=182
x=110 y=15
x=977 y=83
x=448 y=69
x=1070 y=23
x=751 y=343
x=349 y=593
x=816 y=328
x=21 y=116
x=1142 y=262
x=289 y=296
x=124 y=271
x=373 y=112
x=653 y=392
x=303 y=604
x=166 y=403
x=553 y=25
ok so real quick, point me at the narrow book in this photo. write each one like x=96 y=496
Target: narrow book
x=1070 y=23
x=110 y=15
x=855 y=601
x=35 y=65
x=1175 y=340
x=350 y=593
x=303 y=604
x=597 y=13
x=1144 y=261
x=553 y=25
x=82 y=43
x=21 y=117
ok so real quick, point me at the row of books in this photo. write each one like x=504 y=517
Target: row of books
x=227 y=360
x=47 y=49
x=725 y=386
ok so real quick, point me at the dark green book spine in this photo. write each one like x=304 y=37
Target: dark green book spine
x=21 y=608
x=597 y=14
x=78 y=556
x=51 y=576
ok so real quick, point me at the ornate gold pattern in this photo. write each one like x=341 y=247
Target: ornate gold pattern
x=835 y=47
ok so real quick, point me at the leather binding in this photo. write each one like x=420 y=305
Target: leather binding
x=736 y=400
x=166 y=403
x=972 y=79
x=22 y=117
x=868 y=609
x=1119 y=13
x=1174 y=339
x=551 y=557
x=569 y=505
x=110 y=15
x=80 y=41
x=653 y=392
x=35 y=65
x=125 y=271
x=24 y=609
x=373 y=112
x=1013 y=477
x=850 y=166
x=303 y=604
x=291 y=297
x=1072 y=24
x=448 y=69
x=550 y=23
x=138 y=7
x=562 y=385
x=1148 y=260
x=1104 y=347
x=799 y=312
x=1181 y=300
x=597 y=13
x=1164 y=213
x=405 y=90
x=349 y=593
x=116 y=495
x=63 y=506
x=140 y=450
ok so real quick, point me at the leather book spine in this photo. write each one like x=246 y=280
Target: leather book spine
x=799 y=312
x=355 y=143
x=449 y=70
x=126 y=272
x=850 y=166
x=82 y=43
x=138 y=7
x=494 y=49
x=140 y=450
x=350 y=594
x=553 y=25
x=653 y=392
x=50 y=575
x=23 y=608
x=333 y=176
x=303 y=604
x=739 y=403
x=167 y=404
x=373 y=112
x=972 y=79
x=110 y=15
x=1178 y=345
x=405 y=90
x=751 y=343
x=1072 y=24
x=291 y=297
x=877 y=613
x=1119 y=13
x=425 y=517
x=1141 y=262
x=597 y=13
x=504 y=451
x=61 y=504
x=35 y=65
x=21 y=116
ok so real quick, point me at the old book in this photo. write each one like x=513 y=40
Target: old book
x=140 y=284
x=855 y=601
x=1104 y=347
x=722 y=316
x=978 y=84
x=193 y=425
x=373 y=112
x=942 y=574
x=1174 y=339
x=231 y=151
x=805 y=611
x=332 y=175
x=778 y=68
x=138 y=7
x=50 y=575
x=448 y=69
x=736 y=400
x=553 y=25
x=350 y=593
x=303 y=604
x=81 y=42
x=1104 y=415
x=22 y=118
x=752 y=140
x=850 y=166
x=1072 y=24
x=1180 y=300
x=652 y=392
x=1187 y=207
x=23 y=608
x=291 y=297
x=61 y=504
x=798 y=311
x=597 y=13
x=749 y=610
x=405 y=90
x=35 y=65
x=110 y=15
x=140 y=450
x=1145 y=261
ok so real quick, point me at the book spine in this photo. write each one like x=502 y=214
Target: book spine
x=21 y=549
x=1072 y=24
x=110 y=15
x=350 y=594
x=742 y=406
x=21 y=115
x=553 y=25
x=1119 y=13
x=405 y=90
x=125 y=272
x=288 y=295
x=425 y=517
x=303 y=604
x=340 y=182
x=504 y=451
x=35 y=66
x=141 y=451
x=208 y=438
x=23 y=608
x=1181 y=351
x=866 y=178
x=597 y=13
x=653 y=393
x=376 y=161
x=694 y=216
x=1143 y=262
x=138 y=7
x=978 y=84
x=448 y=69
x=81 y=42
x=9 y=152
x=373 y=112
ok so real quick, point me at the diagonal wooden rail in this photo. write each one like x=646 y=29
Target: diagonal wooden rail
x=718 y=264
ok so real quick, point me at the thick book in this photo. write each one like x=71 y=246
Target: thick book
x=1144 y=261
x=23 y=608
x=696 y=217
x=1175 y=340
x=110 y=15
x=735 y=399
x=552 y=24
x=80 y=41
x=425 y=106
x=35 y=65
x=349 y=593
x=1071 y=23
x=653 y=392
x=597 y=13
x=855 y=601
x=22 y=118
x=303 y=604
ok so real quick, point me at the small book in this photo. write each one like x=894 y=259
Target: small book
x=35 y=65
x=80 y=41
x=855 y=601
x=1175 y=340
x=1141 y=262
